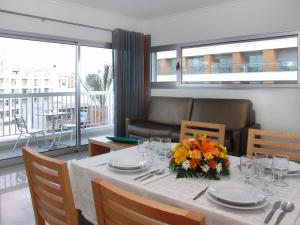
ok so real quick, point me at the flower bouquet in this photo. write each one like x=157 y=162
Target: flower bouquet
x=199 y=157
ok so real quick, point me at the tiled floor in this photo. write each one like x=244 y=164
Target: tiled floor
x=15 y=201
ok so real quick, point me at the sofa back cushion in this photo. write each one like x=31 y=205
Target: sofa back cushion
x=170 y=111
x=234 y=113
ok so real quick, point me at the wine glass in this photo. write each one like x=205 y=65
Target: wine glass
x=247 y=167
x=143 y=146
x=281 y=167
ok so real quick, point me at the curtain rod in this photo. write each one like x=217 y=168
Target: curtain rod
x=54 y=20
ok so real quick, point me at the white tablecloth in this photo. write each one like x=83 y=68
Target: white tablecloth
x=178 y=192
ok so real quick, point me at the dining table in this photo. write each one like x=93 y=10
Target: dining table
x=53 y=117
x=179 y=192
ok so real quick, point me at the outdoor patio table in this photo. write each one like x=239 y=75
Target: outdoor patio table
x=53 y=117
x=178 y=192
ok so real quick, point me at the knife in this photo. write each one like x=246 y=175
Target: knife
x=270 y=215
x=146 y=174
x=200 y=193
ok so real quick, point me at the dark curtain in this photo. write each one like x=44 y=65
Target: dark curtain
x=131 y=58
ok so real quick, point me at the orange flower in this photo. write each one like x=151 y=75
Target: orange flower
x=194 y=163
x=180 y=154
x=212 y=164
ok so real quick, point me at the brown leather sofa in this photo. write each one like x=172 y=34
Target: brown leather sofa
x=165 y=115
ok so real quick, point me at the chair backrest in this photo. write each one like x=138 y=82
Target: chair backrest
x=50 y=189
x=21 y=124
x=214 y=132
x=84 y=117
x=119 y=207
x=274 y=143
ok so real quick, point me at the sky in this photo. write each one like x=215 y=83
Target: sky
x=45 y=55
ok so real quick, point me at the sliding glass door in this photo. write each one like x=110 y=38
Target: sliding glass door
x=96 y=92
x=49 y=98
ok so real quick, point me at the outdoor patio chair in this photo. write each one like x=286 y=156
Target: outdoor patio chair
x=25 y=132
x=72 y=126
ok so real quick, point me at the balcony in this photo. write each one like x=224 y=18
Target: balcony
x=53 y=113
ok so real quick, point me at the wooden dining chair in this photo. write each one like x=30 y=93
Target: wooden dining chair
x=274 y=143
x=119 y=207
x=215 y=132
x=50 y=189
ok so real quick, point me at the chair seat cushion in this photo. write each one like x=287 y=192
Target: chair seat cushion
x=149 y=129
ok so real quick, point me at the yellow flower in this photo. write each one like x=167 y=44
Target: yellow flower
x=180 y=154
x=195 y=154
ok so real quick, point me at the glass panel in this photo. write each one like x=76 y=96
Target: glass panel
x=96 y=110
x=30 y=77
x=265 y=61
x=164 y=66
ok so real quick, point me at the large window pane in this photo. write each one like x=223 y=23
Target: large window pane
x=266 y=61
x=37 y=83
x=164 y=66
x=96 y=92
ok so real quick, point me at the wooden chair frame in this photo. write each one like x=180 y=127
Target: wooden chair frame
x=50 y=189
x=281 y=143
x=116 y=206
x=215 y=132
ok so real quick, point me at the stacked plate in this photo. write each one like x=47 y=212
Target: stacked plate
x=128 y=165
x=236 y=195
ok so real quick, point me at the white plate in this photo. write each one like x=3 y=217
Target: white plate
x=129 y=171
x=293 y=166
x=235 y=193
x=248 y=207
x=124 y=163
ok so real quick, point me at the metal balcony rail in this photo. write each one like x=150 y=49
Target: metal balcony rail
x=34 y=108
x=289 y=65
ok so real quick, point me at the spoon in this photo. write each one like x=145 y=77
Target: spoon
x=286 y=208
x=159 y=172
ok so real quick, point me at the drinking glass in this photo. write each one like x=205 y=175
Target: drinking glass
x=267 y=177
x=154 y=146
x=247 y=167
x=165 y=148
x=281 y=167
x=261 y=161
x=143 y=146
x=265 y=173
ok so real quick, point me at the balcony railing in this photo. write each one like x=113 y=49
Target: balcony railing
x=287 y=65
x=33 y=107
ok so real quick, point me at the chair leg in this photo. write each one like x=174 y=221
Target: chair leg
x=71 y=138
x=44 y=137
x=61 y=130
x=28 y=141
x=16 y=143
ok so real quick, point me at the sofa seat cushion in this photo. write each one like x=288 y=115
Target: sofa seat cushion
x=149 y=129
x=234 y=113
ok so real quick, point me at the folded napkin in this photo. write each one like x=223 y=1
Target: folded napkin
x=154 y=178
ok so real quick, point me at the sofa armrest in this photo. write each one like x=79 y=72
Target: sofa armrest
x=130 y=120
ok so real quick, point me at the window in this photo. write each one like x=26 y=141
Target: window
x=164 y=66
x=261 y=60
x=13 y=82
x=24 y=82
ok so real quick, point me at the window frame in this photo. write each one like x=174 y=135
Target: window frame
x=179 y=47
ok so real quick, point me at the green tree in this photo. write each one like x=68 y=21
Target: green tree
x=100 y=82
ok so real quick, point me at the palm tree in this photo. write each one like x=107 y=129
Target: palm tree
x=100 y=82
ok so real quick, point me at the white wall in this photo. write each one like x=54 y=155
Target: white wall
x=277 y=109
x=63 y=11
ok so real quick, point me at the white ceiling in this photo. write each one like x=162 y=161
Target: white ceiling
x=147 y=9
